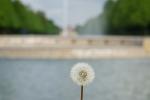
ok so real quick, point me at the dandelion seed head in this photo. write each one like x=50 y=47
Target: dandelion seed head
x=82 y=74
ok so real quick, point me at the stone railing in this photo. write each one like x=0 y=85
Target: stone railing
x=53 y=41
x=73 y=47
x=147 y=44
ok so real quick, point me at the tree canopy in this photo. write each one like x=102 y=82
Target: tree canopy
x=124 y=17
x=129 y=16
x=16 y=18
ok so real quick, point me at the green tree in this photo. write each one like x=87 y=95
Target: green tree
x=8 y=16
x=15 y=17
x=128 y=16
x=34 y=21
x=93 y=26
x=121 y=17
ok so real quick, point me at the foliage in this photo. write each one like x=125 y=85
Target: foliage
x=124 y=17
x=15 y=17
x=93 y=26
x=129 y=17
x=8 y=17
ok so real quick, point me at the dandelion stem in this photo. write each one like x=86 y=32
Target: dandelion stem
x=82 y=92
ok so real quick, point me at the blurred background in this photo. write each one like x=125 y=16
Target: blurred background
x=40 y=41
x=90 y=17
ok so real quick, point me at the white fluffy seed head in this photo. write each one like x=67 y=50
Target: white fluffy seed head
x=82 y=74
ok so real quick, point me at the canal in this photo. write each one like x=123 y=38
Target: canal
x=34 y=79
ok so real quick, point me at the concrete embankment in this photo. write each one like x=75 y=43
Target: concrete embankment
x=73 y=47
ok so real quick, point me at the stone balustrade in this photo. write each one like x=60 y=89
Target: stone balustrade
x=74 y=47
x=53 y=41
x=146 y=44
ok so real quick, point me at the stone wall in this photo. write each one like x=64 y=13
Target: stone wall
x=73 y=47
x=52 y=41
x=146 y=44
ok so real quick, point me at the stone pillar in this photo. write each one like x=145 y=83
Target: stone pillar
x=146 y=44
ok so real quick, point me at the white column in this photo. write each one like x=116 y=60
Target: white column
x=65 y=17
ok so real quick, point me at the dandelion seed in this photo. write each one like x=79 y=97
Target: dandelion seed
x=82 y=74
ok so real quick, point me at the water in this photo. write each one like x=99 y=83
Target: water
x=50 y=80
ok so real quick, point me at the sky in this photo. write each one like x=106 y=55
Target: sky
x=68 y=12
